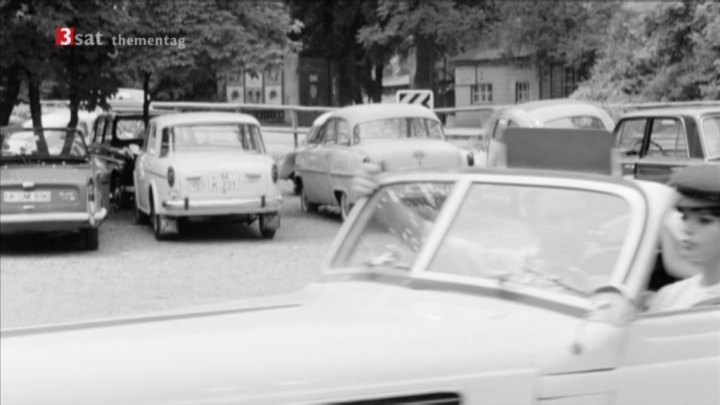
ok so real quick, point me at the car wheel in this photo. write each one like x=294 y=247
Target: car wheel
x=92 y=238
x=116 y=196
x=141 y=218
x=297 y=186
x=345 y=206
x=156 y=222
x=305 y=204
x=269 y=224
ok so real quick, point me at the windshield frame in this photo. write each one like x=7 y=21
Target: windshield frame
x=419 y=273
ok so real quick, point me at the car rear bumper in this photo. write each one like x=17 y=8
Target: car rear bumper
x=225 y=206
x=50 y=221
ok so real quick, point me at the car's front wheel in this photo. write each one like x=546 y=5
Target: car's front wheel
x=91 y=237
x=269 y=224
x=345 y=206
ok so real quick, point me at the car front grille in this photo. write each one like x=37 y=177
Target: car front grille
x=424 y=399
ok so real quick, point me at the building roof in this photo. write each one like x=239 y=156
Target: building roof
x=490 y=54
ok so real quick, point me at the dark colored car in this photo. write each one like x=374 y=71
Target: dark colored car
x=50 y=183
x=655 y=143
x=114 y=134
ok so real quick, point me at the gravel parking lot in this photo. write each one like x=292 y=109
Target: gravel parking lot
x=51 y=279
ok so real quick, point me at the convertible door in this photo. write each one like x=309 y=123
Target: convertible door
x=672 y=359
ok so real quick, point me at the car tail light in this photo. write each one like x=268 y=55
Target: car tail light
x=171 y=176
x=91 y=190
x=274 y=173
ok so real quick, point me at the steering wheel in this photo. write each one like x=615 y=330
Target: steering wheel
x=657 y=145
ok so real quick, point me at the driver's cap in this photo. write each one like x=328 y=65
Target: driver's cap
x=699 y=187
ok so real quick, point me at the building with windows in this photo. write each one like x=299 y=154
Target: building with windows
x=484 y=76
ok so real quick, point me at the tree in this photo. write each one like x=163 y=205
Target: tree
x=668 y=52
x=213 y=38
x=432 y=29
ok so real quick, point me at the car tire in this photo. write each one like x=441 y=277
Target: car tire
x=345 y=206
x=141 y=218
x=305 y=205
x=156 y=220
x=91 y=237
x=297 y=185
x=269 y=224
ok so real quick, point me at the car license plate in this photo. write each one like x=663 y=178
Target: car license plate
x=224 y=181
x=26 y=196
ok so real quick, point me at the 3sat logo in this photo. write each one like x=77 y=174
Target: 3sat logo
x=66 y=36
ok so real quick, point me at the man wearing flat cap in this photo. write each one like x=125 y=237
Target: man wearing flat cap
x=699 y=243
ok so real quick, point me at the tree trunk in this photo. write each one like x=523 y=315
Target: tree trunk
x=36 y=111
x=424 y=63
x=146 y=98
x=10 y=96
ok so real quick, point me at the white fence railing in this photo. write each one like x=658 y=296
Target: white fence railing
x=293 y=117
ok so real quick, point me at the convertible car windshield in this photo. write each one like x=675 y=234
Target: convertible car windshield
x=562 y=239
x=402 y=127
x=239 y=137
x=50 y=144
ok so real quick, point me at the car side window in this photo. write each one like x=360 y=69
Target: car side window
x=630 y=135
x=330 y=134
x=99 y=129
x=343 y=133
x=667 y=138
x=149 y=145
x=165 y=142
x=500 y=126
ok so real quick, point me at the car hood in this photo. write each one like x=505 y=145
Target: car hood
x=46 y=174
x=333 y=336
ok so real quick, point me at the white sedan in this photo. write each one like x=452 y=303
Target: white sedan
x=399 y=137
x=206 y=165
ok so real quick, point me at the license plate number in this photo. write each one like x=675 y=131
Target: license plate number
x=224 y=181
x=26 y=196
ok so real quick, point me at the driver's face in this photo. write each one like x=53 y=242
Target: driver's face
x=701 y=238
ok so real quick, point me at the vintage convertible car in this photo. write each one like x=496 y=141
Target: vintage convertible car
x=655 y=143
x=489 y=286
x=206 y=165
x=398 y=136
x=558 y=113
x=115 y=133
x=50 y=183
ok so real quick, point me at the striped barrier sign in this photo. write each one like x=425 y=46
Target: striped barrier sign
x=419 y=97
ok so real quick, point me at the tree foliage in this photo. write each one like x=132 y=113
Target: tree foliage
x=668 y=52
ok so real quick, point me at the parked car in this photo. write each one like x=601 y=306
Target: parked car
x=287 y=164
x=61 y=118
x=206 y=164
x=50 y=183
x=513 y=287
x=118 y=137
x=399 y=136
x=655 y=143
x=558 y=113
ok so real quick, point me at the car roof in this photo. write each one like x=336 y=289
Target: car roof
x=674 y=111
x=204 y=117
x=368 y=112
x=548 y=110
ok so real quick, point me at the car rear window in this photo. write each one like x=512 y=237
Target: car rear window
x=401 y=127
x=576 y=121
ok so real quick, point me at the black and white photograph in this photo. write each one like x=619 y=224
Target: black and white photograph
x=359 y=202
